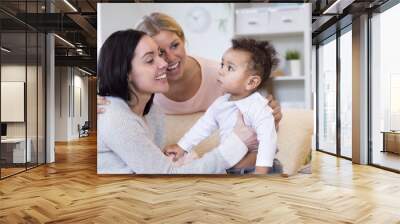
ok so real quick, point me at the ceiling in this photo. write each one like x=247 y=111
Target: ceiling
x=73 y=20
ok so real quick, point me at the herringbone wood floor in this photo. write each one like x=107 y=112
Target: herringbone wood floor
x=70 y=191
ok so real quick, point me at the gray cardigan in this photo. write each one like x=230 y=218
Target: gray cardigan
x=127 y=144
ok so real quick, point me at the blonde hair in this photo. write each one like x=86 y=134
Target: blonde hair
x=154 y=23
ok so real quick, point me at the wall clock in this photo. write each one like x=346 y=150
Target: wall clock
x=198 y=19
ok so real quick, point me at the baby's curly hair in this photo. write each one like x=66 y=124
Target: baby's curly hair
x=263 y=56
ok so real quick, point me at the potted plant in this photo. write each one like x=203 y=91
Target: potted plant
x=293 y=57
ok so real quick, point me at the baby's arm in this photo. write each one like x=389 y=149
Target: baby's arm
x=266 y=135
x=203 y=128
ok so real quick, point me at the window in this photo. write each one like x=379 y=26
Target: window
x=327 y=96
x=346 y=93
x=334 y=106
x=22 y=65
x=385 y=89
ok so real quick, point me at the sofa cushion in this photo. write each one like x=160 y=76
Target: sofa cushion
x=177 y=125
x=294 y=137
x=294 y=140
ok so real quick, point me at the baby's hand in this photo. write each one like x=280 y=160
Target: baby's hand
x=185 y=159
x=174 y=151
x=261 y=170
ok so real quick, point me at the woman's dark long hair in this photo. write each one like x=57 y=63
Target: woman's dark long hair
x=114 y=65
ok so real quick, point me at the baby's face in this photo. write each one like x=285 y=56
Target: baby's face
x=234 y=73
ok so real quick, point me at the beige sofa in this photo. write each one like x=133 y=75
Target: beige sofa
x=294 y=138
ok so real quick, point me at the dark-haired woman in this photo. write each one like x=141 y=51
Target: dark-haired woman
x=130 y=71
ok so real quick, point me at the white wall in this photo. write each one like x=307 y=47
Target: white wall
x=80 y=102
x=70 y=83
x=33 y=126
x=17 y=73
x=14 y=73
x=12 y=101
x=208 y=44
x=61 y=103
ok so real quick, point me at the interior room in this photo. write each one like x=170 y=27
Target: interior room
x=337 y=87
x=22 y=100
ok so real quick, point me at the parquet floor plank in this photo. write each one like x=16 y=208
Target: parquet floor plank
x=70 y=191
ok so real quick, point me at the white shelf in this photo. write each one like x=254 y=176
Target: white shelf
x=288 y=78
x=286 y=29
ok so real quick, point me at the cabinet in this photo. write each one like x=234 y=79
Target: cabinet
x=270 y=20
x=391 y=141
x=13 y=150
x=287 y=27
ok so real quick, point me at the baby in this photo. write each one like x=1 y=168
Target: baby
x=245 y=67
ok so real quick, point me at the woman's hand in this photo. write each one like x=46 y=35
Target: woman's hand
x=175 y=151
x=276 y=110
x=101 y=101
x=246 y=134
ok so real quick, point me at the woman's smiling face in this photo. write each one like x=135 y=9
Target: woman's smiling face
x=173 y=51
x=148 y=74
